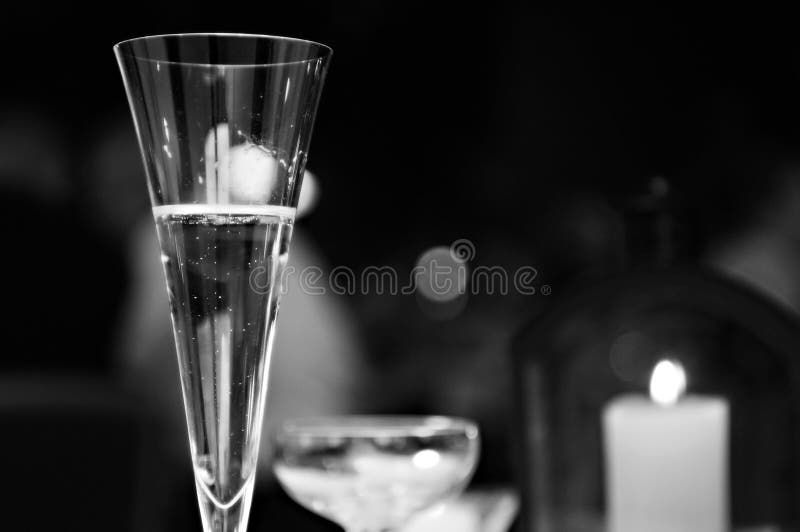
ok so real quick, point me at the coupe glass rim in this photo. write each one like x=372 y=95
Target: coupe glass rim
x=325 y=50
x=361 y=424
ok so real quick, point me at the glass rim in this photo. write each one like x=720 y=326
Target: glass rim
x=362 y=424
x=325 y=50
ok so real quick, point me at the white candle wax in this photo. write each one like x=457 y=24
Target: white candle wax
x=666 y=465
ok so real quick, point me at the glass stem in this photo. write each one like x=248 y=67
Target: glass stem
x=228 y=518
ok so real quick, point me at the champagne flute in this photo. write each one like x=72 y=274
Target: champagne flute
x=373 y=474
x=224 y=123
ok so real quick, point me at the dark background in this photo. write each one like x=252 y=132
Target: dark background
x=519 y=129
x=477 y=121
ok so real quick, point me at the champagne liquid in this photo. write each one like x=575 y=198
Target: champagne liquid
x=223 y=273
x=374 y=479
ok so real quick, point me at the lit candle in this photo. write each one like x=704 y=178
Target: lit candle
x=667 y=458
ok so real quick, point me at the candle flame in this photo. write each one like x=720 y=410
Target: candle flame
x=668 y=382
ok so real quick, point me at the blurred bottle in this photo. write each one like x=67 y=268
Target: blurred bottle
x=604 y=335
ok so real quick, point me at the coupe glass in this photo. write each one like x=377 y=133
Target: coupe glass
x=224 y=123
x=372 y=474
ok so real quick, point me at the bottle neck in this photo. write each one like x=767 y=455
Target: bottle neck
x=658 y=232
x=652 y=239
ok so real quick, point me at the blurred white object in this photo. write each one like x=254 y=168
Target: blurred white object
x=253 y=174
x=475 y=511
x=309 y=195
x=247 y=172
